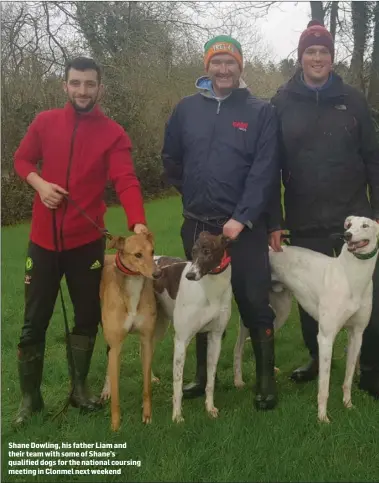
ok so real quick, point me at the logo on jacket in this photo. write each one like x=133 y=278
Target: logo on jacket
x=242 y=126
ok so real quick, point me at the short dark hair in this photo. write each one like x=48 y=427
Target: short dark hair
x=82 y=63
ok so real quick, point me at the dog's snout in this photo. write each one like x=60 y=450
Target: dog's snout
x=157 y=273
x=348 y=235
x=191 y=275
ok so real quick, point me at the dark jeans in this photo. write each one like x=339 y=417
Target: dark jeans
x=44 y=269
x=251 y=276
x=320 y=241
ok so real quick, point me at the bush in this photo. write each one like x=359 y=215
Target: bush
x=16 y=200
x=17 y=196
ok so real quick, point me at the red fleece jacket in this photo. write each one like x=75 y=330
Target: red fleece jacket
x=79 y=152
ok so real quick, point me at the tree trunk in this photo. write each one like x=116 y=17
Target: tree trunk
x=333 y=19
x=317 y=11
x=373 y=91
x=359 y=14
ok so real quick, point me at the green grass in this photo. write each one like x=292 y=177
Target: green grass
x=287 y=444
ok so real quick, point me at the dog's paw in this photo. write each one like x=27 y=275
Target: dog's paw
x=348 y=404
x=116 y=423
x=323 y=418
x=105 y=394
x=147 y=418
x=213 y=412
x=178 y=418
x=239 y=383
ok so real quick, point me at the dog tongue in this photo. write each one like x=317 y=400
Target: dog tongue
x=362 y=243
x=358 y=244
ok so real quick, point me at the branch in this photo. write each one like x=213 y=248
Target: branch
x=51 y=36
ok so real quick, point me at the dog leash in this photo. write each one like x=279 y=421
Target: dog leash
x=67 y=329
x=335 y=236
x=104 y=231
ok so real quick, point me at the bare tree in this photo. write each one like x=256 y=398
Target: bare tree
x=360 y=20
x=373 y=91
x=333 y=18
x=317 y=11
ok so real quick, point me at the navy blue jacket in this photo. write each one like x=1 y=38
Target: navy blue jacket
x=329 y=154
x=223 y=157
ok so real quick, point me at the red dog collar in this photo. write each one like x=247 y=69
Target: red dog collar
x=122 y=268
x=225 y=262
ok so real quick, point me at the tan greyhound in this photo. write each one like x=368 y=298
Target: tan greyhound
x=129 y=306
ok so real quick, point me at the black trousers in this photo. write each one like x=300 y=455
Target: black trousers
x=44 y=270
x=251 y=276
x=320 y=241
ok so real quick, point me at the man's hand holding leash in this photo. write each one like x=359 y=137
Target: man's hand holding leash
x=232 y=229
x=51 y=194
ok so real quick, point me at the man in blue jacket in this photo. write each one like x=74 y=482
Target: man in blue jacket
x=220 y=152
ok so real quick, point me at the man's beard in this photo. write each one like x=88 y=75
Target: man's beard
x=80 y=109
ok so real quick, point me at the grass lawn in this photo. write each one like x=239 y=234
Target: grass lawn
x=287 y=444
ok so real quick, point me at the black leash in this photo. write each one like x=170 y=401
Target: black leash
x=67 y=329
x=335 y=236
x=289 y=236
x=104 y=231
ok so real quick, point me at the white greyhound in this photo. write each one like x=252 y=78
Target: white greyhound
x=335 y=291
x=197 y=297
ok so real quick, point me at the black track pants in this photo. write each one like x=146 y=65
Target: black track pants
x=44 y=269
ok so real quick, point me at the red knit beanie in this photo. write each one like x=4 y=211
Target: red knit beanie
x=315 y=34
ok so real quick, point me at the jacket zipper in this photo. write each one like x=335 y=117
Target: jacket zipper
x=73 y=136
x=213 y=131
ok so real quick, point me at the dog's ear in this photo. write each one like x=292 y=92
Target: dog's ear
x=348 y=221
x=150 y=237
x=116 y=242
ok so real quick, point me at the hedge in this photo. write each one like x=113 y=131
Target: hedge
x=17 y=196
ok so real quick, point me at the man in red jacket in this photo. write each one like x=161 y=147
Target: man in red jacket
x=80 y=148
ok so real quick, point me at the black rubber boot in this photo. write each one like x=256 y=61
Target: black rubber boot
x=82 y=349
x=263 y=345
x=369 y=382
x=306 y=373
x=197 y=387
x=30 y=368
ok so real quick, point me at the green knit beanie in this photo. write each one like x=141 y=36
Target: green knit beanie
x=223 y=44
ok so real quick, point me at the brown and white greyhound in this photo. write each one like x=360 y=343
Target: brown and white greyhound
x=129 y=307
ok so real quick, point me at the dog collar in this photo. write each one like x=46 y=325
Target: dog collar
x=122 y=268
x=367 y=256
x=225 y=262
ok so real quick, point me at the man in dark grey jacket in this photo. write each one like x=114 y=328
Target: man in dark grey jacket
x=330 y=159
x=220 y=152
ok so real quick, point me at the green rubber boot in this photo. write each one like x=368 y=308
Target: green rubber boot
x=82 y=350
x=263 y=344
x=30 y=368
